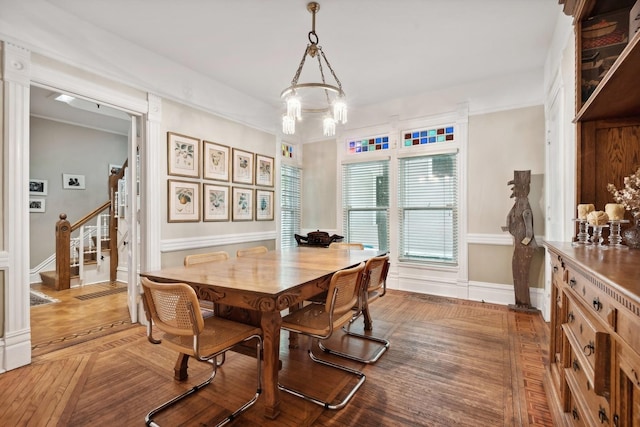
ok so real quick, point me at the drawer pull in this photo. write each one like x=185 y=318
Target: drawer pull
x=575 y=365
x=615 y=420
x=555 y=268
x=574 y=412
x=571 y=317
x=597 y=305
x=589 y=349
x=602 y=415
x=572 y=283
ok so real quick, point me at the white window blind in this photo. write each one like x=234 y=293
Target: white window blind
x=428 y=208
x=365 y=203
x=290 y=205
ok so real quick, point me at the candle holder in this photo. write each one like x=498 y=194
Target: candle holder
x=597 y=241
x=583 y=234
x=615 y=239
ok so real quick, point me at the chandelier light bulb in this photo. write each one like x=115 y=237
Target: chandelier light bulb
x=288 y=125
x=329 y=126
x=340 y=110
x=294 y=107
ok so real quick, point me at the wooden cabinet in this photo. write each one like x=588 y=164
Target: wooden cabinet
x=593 y=377
x=607 y=97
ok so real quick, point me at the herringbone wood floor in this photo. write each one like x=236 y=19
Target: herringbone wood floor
x=451 y=362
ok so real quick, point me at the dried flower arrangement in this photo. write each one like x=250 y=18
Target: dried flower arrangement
x=629 y=196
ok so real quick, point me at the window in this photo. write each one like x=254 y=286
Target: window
x=290 y=205
x=428 y=208
x=365 y=202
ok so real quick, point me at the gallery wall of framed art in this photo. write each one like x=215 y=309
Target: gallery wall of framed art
x=217 y=182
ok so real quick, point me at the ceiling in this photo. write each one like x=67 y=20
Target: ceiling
x=380 y=49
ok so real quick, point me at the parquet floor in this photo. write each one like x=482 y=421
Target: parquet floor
x=451 y=362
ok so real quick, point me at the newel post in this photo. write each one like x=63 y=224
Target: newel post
x=63 y=256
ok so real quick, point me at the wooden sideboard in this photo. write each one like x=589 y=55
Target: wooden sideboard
x=593 y=375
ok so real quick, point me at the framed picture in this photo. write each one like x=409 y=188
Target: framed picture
x=216 y=161
x=36 y=205
x=242 y=207
x=264 y=205
x=264 y=170
x=38 y=187
x=183 y=201
x=183 y=155
x=242 y=166
x=114 y=168
x=72 y=182
x=215 y=199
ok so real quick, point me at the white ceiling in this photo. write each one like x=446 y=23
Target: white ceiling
x=380 y=49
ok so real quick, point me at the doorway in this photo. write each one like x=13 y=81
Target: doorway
x=75 y=136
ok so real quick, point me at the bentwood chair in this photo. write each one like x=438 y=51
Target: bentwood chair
x=345 y=245
x=319 y=320
x=251 y=251
x=374 y=286
x=173 y=309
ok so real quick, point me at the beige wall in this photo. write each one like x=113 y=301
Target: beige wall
x=199 y=124
x=319 y=201
x=500 y=143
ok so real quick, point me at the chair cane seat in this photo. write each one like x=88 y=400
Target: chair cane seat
x=218 y=334
x=313 y=319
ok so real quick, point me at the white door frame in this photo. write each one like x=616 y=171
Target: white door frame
x=20 y=70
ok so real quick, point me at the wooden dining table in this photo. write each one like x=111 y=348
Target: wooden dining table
x=263 y=285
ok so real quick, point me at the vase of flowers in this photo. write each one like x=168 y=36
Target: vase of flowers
x=629 y=197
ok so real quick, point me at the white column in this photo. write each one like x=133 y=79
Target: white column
x=152 y=185
x=16 y=80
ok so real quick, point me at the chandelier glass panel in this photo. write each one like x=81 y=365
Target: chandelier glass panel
x=321 y=98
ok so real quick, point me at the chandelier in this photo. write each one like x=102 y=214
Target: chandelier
x=321 y=97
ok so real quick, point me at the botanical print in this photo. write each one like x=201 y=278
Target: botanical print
x=184 y=197
x=242 y=204
x=264 y=205
x=216 y=203
x=216 y=161
x=242 y=166
x=243 y=163
x=264 y=174
x=183 y=155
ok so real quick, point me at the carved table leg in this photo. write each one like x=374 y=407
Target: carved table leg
x=368 y=322
x=270 y=323
x=180 y=369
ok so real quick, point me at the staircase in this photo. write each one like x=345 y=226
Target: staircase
x=87 y=251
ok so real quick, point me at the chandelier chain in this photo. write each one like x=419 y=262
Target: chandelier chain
x=331 y=69
x=296 y=76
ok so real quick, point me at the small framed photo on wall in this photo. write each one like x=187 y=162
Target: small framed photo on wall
x=216 y=202
x=242 y=208
x=264 y=170
x=183 y=201
x=37 y=205
x=242 y=167
x=38 y=187
x=183 y=155
x=72 y=182
x=264 y=205
x=216 y=161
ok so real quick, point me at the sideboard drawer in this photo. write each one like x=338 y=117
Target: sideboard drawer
x=593 y=298
x=598 y=409
x=590 y=344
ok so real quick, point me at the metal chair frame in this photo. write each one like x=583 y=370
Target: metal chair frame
x=333 y=322
x=198 y=325
x=363 y=302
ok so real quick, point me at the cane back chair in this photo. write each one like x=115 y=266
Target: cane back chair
x=319 y=320
x=173 y=309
